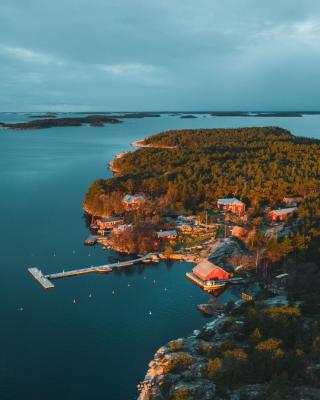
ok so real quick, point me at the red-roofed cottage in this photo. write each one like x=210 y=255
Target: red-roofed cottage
x=234 y=205
x=206 y=271
x=282 y=214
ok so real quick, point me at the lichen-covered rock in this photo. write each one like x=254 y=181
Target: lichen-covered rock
x=201 y=389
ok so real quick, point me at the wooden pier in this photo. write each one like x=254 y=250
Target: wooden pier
x=45 y=280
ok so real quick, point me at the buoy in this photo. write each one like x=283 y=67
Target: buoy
x=74 y=301
x=90 y=295
x=150 y=313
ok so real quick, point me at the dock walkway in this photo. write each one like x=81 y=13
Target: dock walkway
x=45 y=280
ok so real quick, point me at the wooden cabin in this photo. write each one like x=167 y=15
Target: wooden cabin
x=234 y=205
x=206 y=271
x=108 y=223
x=281 y=214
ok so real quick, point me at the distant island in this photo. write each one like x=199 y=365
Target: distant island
x=93 y=120
x=248 y=200
x=53 y=121
x=255 y=114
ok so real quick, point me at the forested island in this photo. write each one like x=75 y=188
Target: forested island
x=267 y=347
x=53 y=121
x=44 y=123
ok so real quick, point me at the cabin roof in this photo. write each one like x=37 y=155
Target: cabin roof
x=231 y=201
x=167 y=233
x=205 y=267
x=111 y=219
x=284 y=211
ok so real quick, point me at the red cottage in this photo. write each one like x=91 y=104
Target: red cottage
x=282 y=214
x=207 y=271
x=234 y=205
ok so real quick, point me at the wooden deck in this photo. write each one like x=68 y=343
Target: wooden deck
x=40 y=278
x=45 y=280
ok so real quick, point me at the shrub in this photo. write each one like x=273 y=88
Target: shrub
x=283 y=310
x=178 y=363
x=175 y=345
x=213 y=367
x=237 y=354
x=269 y=345
x=181 y=394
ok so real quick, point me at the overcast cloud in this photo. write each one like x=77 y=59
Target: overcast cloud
x=164 y=55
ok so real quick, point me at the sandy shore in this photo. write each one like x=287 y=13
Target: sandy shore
x=139 y=143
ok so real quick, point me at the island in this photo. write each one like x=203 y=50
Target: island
x=257 y=114
x=243 y=205
x=93 y=120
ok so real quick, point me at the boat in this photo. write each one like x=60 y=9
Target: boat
x=213 y=285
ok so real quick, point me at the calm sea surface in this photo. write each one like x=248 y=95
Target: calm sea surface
x=99 y=347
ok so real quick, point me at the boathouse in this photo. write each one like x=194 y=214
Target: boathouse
x=234 y=205
x=133 y=202
x=206 y=271
x=281 y=214
x=108 y=223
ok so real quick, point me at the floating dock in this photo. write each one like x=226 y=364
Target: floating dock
x=45 y=280
x=40 y=278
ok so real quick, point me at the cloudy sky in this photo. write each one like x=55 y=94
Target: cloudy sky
x=159 y=55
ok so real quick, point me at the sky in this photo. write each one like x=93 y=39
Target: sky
x=131 y=55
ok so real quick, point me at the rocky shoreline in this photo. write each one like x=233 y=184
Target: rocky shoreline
x=196 y=382
x=181 y=368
